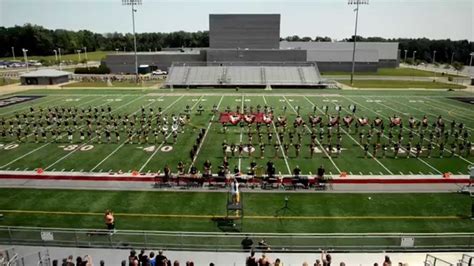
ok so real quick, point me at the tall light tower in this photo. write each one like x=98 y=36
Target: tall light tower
x=26 y=57
x=406 y=52
x=133 y=3
x=414 y=52
x=357 y=3
x=13 y=53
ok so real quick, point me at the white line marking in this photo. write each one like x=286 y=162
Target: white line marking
x=279 y=141
x=205 y=134
x=309 y=130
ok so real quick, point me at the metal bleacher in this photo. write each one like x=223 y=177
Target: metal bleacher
x=229 y=74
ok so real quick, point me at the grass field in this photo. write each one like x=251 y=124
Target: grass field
x=4 y=82
x=150 y=156
x=193 y=211
x=401 y=72
x=401 y=84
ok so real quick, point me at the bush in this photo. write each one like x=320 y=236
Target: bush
x=102 y=69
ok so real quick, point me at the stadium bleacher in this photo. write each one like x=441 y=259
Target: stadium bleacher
x=245 y=75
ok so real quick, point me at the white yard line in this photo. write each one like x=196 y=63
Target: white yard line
x=309 y=130
x=161 y=145
x=449 y=111
x=205 y=134
x=123 y=143
x=421 y=160
x=455 y=154
x=429 y=114
x=34 y=104
x=85 y=143
x=370 y=154
x=279 y=141
x=461 y=109
x=241 y=131
x=33 y=151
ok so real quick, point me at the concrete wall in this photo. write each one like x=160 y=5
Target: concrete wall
x=346 y=67
x=125 y=63
x=43 y=80
x=253 y=31
x=234 y=55
x=389 y=63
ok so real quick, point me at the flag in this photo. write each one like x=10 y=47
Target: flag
x=232 y=118
x=396 y=120
x=249 y=118
x=348 y=120
x=281 y=120
x=363 y=121
x=299 y=121
x=334 y=120
x=378 y=121
x=314 y=120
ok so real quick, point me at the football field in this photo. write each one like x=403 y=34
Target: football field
x=98 y=154
x=197 y=211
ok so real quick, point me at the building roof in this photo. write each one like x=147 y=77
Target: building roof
x=51 y=73
x=386 y=50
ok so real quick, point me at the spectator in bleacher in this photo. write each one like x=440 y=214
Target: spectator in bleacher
x=305 y=264
x=132 y=257
x=278 y=262
x=264 y=261
x=87 y=261
x=251 y=261
x=342 y=264
x=326 y=258
x=387 y=261
x=176 y=263
x=69 y=261
x=317 y=263
x=152 y=259
x=189 y=263
x=140 y=256
x=376 y=264
x=78 y=261
x=161 y=260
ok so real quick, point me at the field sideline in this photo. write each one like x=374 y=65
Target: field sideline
x=194 y=211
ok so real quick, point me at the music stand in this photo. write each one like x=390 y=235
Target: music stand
x=284 y=209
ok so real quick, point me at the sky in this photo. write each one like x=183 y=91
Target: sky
x=434 y=19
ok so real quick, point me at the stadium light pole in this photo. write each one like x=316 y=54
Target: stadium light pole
x=413 y=60
x=133 y=3
x=59 y=52
x=79 y=55
x=26 y=57
x=55 y=55
x=406 y=52
x=357 y=3
x=452 y=58
x=470 y=65
x=13 y=53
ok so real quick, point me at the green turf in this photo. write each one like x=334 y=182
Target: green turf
x=115 y=157
x=255 y=204
x=401 y=84
x=4 y=82
x=401 y=71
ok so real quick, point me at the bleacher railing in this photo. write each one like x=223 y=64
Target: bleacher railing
x=231 y=241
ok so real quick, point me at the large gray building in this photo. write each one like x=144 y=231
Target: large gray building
x=244 y=31
x=256 y=38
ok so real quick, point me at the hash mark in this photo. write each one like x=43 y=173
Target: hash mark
x=401 y=172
